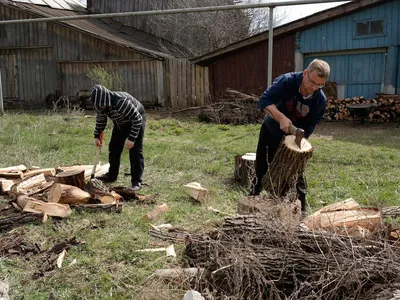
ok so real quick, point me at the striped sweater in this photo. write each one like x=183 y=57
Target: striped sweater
x=120 y=107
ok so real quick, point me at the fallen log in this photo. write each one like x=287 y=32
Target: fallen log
x=288 y=163
x=67 y=194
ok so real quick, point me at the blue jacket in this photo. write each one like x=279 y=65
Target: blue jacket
x=284 y=93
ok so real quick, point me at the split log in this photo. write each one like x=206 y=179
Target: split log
x=245 y=169
x=97 y=208
x=21 y=168
x=67 y=194
x=288 y=162
x=76 y=168
x=45 y=172
x=12 y=174
x=345 y=217
x=29 y=204
x=29 y=185
x=196 y=191
x=10 y=218
x=6 y=184
x=128 y=195
x=74 y=178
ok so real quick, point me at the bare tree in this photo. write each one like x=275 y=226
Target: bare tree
x=199 y=33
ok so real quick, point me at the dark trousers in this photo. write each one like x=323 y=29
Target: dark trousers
x=266 y=148
x=116 y=146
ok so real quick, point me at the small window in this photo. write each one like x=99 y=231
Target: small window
x=370 y=28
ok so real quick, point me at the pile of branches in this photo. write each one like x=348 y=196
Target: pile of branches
x=233 y=108
x=257 y=257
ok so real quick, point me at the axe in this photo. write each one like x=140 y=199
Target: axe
x=298 y=133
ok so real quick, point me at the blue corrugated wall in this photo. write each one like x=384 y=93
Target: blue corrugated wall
x=360 y=66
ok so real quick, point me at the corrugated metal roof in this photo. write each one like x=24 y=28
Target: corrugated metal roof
x=307 y=22
x=73 y=5
x=105 y=29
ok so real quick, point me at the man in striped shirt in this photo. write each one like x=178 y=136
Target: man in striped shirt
x=128 y=116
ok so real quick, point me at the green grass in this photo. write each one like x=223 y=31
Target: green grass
x=359 y=162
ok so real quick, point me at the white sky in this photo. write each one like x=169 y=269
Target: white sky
x=295 y=12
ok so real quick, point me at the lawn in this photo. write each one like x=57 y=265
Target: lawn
x=358 y=161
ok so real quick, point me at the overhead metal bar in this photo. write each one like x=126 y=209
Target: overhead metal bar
x=167 y=11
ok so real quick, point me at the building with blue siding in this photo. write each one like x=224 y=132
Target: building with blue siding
x=362 y=49
x=360 y=40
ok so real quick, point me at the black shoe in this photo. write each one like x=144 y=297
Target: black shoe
x=106 y=178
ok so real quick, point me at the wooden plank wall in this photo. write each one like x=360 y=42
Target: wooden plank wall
x=187 y=84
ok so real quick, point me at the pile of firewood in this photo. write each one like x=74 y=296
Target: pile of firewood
x=387 y=108
x=38 y=193
x=262 y=257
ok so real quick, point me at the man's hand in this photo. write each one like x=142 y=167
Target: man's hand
x=129 y=144
x=285 y=124
x=283 y=121
x=97 y=142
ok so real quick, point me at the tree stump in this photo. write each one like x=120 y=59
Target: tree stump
x=288 y=162
x=245 y=169
x=73 y=177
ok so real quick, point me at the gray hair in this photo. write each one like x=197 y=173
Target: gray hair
x=321 y=67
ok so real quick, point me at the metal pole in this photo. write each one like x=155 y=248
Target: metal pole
x=270 y=44
x=1 y=98
x=168 y=11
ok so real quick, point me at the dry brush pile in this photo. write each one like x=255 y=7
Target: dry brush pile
x=258 y=257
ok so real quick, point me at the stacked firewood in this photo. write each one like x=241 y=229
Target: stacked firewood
x=387 y=108
x=51 y=192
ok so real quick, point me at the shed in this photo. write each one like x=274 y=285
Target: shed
x=46 y=60
x=360 y=40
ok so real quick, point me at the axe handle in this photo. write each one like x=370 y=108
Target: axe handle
x=96 y=161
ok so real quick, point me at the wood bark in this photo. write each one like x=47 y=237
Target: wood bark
x=73 y=177
x=288 y=162
x=67 y=194
x=11 y=217
x=390 y=212
x=245 y=169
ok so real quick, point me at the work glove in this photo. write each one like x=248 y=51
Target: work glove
x=129 y=144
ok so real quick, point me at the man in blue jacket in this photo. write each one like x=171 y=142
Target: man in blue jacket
x=293 y=99
x=128 y=116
